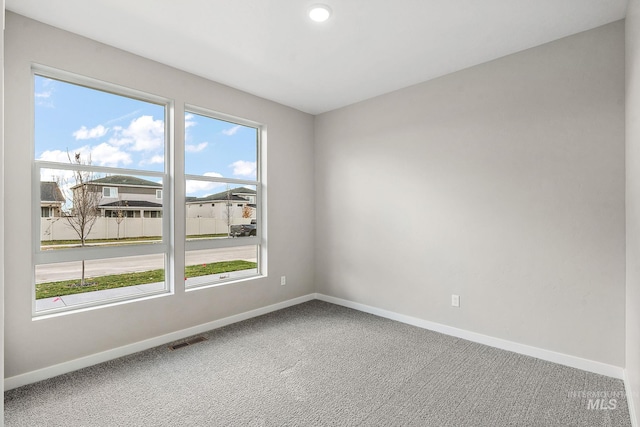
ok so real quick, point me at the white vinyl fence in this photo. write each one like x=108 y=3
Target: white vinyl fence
x=107 y=228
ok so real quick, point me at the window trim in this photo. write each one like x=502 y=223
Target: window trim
x=173 y=179
x=113 y=192
x=259 y=240
x=77 y=254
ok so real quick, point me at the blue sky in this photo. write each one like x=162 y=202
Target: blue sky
x=123 y=132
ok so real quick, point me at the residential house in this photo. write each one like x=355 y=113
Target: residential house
x=51 y=199
x=235 y=203
x=127 y=196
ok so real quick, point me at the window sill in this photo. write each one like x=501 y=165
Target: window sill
x=195 y=283
x=96 y=299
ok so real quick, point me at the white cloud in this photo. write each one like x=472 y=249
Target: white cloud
x=55 y=156
x=142 y=134
x=96 y=132
x=107 y=155
x=44 y=98
x=195 y=148
x=43 y=95
x=126 y=116
x=244 y=168
x=200 y=188
x=118 y=140
x=231 y=131
x=188 y=121
x=157 y=159
x=99 y=155
x=63 y=177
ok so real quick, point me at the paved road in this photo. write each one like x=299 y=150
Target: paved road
x=103 y=267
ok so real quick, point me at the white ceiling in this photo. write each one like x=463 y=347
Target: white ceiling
x=369 y=47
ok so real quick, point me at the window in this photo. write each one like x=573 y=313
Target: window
x=93 y=138
x=109 y=192
x=153 y=214
x=222 y=173
x=101 y=167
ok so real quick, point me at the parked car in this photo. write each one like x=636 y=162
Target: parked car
x=244 y=229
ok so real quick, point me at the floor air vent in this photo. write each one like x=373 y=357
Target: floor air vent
x=186 y=343
x=196 y=340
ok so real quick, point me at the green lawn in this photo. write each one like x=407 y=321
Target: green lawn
x=69 y=287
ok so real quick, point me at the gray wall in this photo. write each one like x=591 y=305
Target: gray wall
x=36 y=344
x=503 y=183
x=633 y=203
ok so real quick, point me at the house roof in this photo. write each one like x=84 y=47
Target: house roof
x=223 y=196
x=126 y=180
x=50 y=192
x=242 y=190
x=123 y=205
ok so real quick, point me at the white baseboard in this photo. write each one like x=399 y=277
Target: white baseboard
x=548 y=355
x=630 y=402
x=83 y=362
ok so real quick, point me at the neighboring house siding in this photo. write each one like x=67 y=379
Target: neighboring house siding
x=51 y=199
x=214 y=210
x=129 y=193
x=136 y=198
x=215 y=205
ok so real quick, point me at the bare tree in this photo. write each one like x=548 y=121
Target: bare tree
x=228 y=215
x=121 y=214
x=247 y=211
x=85 y=198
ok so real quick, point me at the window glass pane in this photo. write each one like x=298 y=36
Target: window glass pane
x=228 y=210
x=129 y=212
x=217 y=148
x=218 y=265
x=103 y=128
x=100 y=157
x=61 y=284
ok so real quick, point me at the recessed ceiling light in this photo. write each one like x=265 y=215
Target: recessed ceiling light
x=319 y=12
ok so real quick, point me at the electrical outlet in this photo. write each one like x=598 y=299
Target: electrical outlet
x=283 y=280
x=455 y=300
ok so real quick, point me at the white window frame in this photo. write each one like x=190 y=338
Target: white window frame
x=259 y=240
x=113 y=192
x=40 y=257
x=158 y=194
